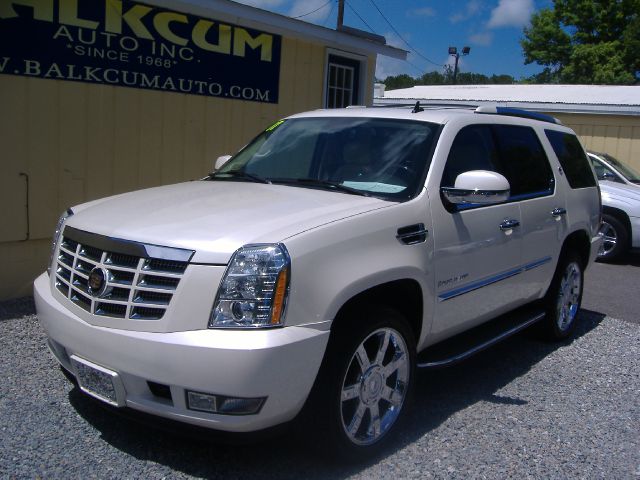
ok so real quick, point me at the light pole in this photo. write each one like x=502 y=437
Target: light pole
x=453 y=51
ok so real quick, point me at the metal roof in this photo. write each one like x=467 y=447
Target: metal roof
x=595 y=99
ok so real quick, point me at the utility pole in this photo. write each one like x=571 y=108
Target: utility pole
x=340 y=14
x=453 y=51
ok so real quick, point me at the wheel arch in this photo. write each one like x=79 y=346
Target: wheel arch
x=620 y=215
x=579 y=242
x=404 y=295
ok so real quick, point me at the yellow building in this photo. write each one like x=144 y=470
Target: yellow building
x=606 y=118
x=101 y=97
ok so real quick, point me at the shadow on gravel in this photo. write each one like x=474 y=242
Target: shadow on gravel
x=439 y=395
x=17 y=308
x=631 y=259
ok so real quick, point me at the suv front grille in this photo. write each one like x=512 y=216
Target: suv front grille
x=137 y=288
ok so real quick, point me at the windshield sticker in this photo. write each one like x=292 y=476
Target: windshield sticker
x=274 y=126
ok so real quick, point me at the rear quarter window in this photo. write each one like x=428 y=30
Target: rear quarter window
x=525 y=162
x=572 y=158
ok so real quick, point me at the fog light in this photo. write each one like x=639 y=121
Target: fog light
x=206 y=402
x=202 y=402
x=240 y=406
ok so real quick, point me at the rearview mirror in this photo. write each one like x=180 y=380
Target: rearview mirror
x=479 y=187
x=220 y=161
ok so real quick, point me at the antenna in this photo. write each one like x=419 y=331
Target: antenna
x=417 y=108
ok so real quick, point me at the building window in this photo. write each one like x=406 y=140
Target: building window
x=343 y=82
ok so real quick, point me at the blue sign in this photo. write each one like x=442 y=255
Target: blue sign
x=131 y=44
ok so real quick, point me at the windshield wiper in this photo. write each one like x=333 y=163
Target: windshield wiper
x=312 y=182
x=239 y=174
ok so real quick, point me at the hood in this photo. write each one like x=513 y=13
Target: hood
x=215 y=218
x=617 y=194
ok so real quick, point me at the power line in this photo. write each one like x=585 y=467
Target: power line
x=402 y=38
x=358 y=15
x=324 y=24
x=373 y=31
x=314 y=11
x=415 y=66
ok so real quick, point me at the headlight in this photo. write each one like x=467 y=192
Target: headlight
x=253 y=292
x=56 y=236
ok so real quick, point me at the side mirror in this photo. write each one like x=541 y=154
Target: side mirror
x=479 y=187
x=220 y=161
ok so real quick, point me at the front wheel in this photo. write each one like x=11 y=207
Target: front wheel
x=615 y=239
x=366 y=382
x=564 y=298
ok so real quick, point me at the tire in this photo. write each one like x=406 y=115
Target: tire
x=616 y=239
x=563 y=298
x=365 y=383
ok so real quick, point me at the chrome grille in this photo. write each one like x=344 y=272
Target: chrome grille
x=138 y=288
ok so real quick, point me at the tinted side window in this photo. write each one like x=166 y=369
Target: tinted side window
x=526 y=165
x=472 y=149
x=603 y=172
x=572 y=158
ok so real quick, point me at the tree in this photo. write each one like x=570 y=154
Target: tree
x=585 y=41
x=432 y=78
x=399 y=81
x=631 y=42
x=501 y=79
x=445 y=78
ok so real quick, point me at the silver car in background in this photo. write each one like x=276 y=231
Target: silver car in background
x=620 y=189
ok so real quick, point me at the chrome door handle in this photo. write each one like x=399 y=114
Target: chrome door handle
x=508 y=224
x=556 y=212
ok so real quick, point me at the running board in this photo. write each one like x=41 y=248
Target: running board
x=433 y=357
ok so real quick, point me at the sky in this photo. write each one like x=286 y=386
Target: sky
x=427 y=28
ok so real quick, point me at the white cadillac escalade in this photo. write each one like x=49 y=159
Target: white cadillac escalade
x=321 y=265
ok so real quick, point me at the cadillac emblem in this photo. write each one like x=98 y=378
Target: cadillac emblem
x=98 y=281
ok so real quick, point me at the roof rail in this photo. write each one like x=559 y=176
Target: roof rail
x=517 y=112
x=426 y=105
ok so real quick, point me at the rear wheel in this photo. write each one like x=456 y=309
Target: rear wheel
x=564 y=298
x=366 y=382
x=615 y=238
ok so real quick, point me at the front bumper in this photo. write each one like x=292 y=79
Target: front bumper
x=596 y=244
x=635 y=231
x=280 y=364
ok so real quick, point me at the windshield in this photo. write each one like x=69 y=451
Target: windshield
x=627 y=172
x=384 y=158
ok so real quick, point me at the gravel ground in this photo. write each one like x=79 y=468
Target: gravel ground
x=612 y=288
x=524 y=409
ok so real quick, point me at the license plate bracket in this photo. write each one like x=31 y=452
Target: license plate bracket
x=98 y=381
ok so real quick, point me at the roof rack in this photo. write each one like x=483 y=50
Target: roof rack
x=517 y=112
x=430 y=105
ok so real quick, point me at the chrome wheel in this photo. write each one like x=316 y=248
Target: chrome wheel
x=374 y=386
x=609 y=239
x=568 y=301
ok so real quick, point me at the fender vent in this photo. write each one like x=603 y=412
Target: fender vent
x=412 y=234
